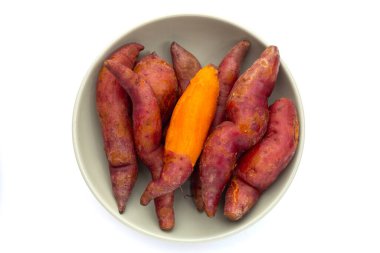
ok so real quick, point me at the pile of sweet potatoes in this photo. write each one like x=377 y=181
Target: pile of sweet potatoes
x=211 y=125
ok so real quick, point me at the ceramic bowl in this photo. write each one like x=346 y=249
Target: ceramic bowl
x=208 y=39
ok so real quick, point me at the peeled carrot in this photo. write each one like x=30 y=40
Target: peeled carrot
x=187 y=132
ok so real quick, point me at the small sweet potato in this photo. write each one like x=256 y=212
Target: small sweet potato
x=113 y=106
x=247 y=112
x=189 y=125
x=261 y=165
x=229 y=70
x=185 y=65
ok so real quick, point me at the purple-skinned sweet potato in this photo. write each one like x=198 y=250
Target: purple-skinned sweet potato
x=240 y=198
x=247 y=115
x=263 y=163
x=185 y=65
x=229 y=70
x=147 y=128
x=113 y=106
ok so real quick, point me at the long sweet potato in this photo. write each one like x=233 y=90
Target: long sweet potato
x=147 y=126
x=112 y=104
x=262 y=164
x=247 y=112
x=228 y=73
x=229 y=70
x=189 y=125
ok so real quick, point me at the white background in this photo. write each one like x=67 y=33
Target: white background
x=332 y=50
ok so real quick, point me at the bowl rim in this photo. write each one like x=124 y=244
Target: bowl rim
x=92 y=187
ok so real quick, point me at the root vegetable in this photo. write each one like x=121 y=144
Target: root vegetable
x=185 y=65
x=161 y=78
x=228 y=73
x=261 y=165
x=247 y=114
x=113 y=106
x=147 y=124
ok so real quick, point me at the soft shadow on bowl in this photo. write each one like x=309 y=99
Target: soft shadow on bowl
x=208 y=39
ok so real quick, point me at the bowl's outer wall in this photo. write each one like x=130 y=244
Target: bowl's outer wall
x=208 y=39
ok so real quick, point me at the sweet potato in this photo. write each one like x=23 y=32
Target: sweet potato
x=185 y=65
x=147 y=126
x=189 y=125
x=161 y=78
x=228 y=73
x=263 y=163
x=113 y=106
x=247 y=112
x=229 y=70
x=240 y=198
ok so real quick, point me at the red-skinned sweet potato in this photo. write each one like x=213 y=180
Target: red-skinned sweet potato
x=185 y=65
x=229 y=70
x=113 y=106
x=247 y=112
x=262 y=164
x=228 y=73
x=147 y=125
x=161 y=78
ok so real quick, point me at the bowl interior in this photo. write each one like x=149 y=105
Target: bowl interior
x=208 y=39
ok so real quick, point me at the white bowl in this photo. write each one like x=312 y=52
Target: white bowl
x=208 y=39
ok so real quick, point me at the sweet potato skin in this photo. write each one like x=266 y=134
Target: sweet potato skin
x=247 y=109
x=161 y=78
x=146 y=112
x=262 y=164
x=185 y=65
x=147 y=128
x=229 y=70
x=240 y=197
x=220 y=151
x=247 y=105
x=163 y=204
x=113 y=107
